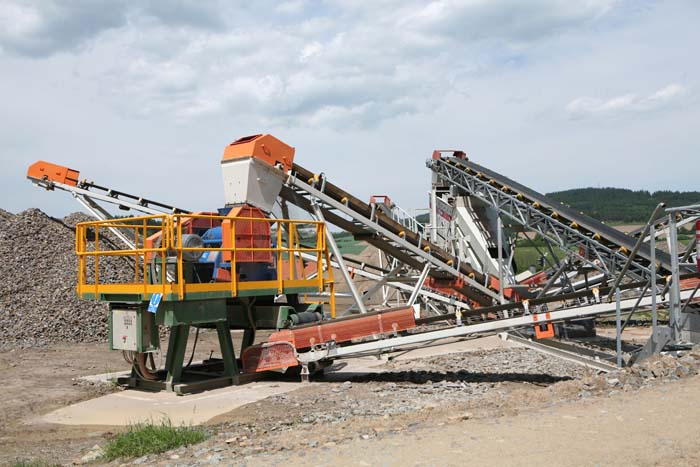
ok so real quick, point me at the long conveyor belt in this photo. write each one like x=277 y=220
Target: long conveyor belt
x=586 y=223
x=603 y=246
x=410 y=247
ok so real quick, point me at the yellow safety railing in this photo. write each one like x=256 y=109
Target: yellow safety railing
x=159 y=267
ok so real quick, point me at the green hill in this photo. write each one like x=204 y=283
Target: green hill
x=619 y=205
x=616 y=205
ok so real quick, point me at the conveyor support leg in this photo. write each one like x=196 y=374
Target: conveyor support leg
x=177 y=344
x=227 y=352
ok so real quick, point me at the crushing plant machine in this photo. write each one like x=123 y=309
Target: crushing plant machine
x=243 y=268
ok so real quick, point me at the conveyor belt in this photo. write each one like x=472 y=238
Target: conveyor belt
x=684 y=217
x=586 y=223
x=140 y=200
x=360 y=209
x=601 y=246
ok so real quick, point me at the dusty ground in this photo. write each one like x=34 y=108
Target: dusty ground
x=657 y=426
x=40 y=380
x=498 y=406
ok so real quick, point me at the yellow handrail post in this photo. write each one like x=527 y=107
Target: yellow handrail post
x=145 y=267
x=331 y=280
x=331 y=291
x=81 y=259
x=319 y=255
x=280 y=269
x=234 y=276
x=97 y=259
x=180 y=276
x=291 y=252
x=165 y=226
x=136 y=254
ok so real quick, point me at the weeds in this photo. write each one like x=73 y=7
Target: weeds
x=150 y=438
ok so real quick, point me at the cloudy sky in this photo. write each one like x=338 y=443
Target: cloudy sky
x=143 y=96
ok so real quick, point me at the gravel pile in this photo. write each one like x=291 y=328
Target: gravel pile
x=657 y=369
x=38 y=271
x=4 y=215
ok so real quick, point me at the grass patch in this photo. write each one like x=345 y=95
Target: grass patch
x=33 y=464
x=350 y=246
x=526 y=256
x=150 y=438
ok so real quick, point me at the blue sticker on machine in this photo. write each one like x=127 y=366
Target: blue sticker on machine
x=155 y=301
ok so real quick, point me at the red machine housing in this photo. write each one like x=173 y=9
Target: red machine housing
x=346 y=329
x=249 y=233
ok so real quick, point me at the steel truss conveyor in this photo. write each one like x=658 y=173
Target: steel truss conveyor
x=330 y=351
x=316 y=195
x=600 y=246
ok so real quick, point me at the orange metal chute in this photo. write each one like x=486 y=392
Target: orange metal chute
x=42 y=170
x=266 y=148
x=269 y=356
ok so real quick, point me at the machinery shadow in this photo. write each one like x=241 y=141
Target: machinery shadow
x=429 y=377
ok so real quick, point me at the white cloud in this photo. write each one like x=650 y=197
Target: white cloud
x=394 y=58
x=157 y=82
x=513 y=21
x=590 y=107
x=310 y=51
x=39 y=29
x=291 y=7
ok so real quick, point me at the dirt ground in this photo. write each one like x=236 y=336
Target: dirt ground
x=500 y=406
x=43 y=379
x=657 y=426
x=38 y=381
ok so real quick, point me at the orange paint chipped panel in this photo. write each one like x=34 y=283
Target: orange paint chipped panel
x=42 y=170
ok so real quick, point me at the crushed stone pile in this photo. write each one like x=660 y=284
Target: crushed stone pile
x=654 y=370
x=4 y=215
x=38 y=277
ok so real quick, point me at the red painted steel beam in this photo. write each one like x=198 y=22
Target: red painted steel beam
x=346 y=329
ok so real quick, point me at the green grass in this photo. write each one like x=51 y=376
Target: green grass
x=33 y=464
x=526 y=256
x=350 y=246
x=150 y=438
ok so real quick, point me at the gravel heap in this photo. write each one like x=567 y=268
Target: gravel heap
x=656 y=369
x=38 y=300
x=4 y=215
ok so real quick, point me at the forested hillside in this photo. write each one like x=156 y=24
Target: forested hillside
x=620 y=205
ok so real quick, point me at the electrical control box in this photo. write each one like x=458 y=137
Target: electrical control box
x=133 y=329
x=125 y=332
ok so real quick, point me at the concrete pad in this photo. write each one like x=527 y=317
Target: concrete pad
x=132 y=406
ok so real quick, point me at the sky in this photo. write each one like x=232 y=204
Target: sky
x=144 y=96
